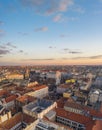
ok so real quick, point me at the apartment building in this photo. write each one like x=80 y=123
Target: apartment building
x=9 y=102
x=39 y=108
x=73 y=120
x=39 y=91
x=17 y=122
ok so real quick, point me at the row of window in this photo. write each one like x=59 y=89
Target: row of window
x=70 y=123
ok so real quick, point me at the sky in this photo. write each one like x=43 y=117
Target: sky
x=53 y=32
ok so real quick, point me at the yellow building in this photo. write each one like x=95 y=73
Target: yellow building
x=70 y=81
x=15 y=76
x=66 y=94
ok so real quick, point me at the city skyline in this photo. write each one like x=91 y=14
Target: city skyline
x=50 y=32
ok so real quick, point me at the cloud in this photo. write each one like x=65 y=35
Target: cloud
x=89 y=57
x=59 y=6
x=4 y=52
x=64 y=58
x=66 y=49
x=61 y=18
x=75 y=52
x=3 y=47
x=9 y=44
x=41 y=29
x=65 y=19
x=9 y=48
x=64 y=4
x=96 y=57
x=21 y=51
x=58 y=18
x=70 y=51
x=52 y=47
x=47 y=7
x=6 y=48
x=38 y=59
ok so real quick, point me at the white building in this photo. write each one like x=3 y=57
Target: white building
x=15 y=76
x=9 y=102
x=62 y=88
x=47 y=125
x=39 y=91
x=5 y=117
x=32 y=84
x=94 y=96
x=39 y=108
x=58 y=77
x=51 y=75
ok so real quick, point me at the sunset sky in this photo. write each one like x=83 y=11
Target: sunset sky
x=50 y=32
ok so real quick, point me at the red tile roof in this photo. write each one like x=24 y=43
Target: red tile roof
x=11 y=122
x=20 y=89
x=39 y=87
x=93 y=112
x=11 y=98
x=3 y=92
x=61 y=102
x=87 y=121
x=19 y=117
x=25 y=98
x=28 y=119
x=73 y=104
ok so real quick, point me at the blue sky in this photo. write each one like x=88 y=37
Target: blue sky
x=50 y=32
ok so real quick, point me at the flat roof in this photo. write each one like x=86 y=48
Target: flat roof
x=39 y=105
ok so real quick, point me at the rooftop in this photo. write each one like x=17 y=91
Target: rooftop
x=61 y=102
x=38 y=106
x=73 y=105
x=72 y=116
x=87 y=121
x=3 y=92
x=18 y=118
x=92 y=112
x=25 y=98
x=49 y=124
x=50 y=114
x=11 y=122
x=39 y=87
x=10 y=98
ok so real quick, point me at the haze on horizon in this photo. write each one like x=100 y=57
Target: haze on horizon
x=50 y=32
